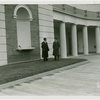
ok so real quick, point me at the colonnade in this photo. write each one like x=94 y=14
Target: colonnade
x=74 y=39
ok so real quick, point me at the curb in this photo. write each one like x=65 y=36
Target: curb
x=39 y=76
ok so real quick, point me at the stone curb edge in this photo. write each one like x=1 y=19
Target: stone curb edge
x=38 y=76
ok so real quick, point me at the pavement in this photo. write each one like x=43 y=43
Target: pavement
x=83 y=80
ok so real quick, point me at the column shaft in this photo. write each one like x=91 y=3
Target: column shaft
x=85 y=40
x=97 y=39
x=74 y=40
x=63 y=44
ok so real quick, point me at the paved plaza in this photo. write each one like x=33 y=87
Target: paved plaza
x=83 y=80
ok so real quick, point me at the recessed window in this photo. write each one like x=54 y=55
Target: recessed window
x=23 y=28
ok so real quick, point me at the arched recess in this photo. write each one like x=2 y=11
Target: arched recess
x=23 y=6
x=23 y=16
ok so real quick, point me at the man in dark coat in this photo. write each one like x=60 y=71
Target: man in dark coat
x=45 y=49
x=56 y=47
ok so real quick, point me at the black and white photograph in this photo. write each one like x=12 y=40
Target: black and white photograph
x=50 y=49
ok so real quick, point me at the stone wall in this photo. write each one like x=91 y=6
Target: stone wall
x=46 y=28
x=11 y=29
x=3 y=49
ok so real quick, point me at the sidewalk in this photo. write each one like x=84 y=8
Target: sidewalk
x=83 y=80
x=17 y=71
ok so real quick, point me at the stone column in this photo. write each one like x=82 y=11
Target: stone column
x=85 y=40
x=63 y=44
x=97 y=39
x=74 y=40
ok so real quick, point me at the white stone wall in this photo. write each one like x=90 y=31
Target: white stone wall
x=46 y=28
x=75 y=20
x=3 y=49
x=89 y=7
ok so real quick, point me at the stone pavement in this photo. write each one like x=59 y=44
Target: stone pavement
x=83 y=80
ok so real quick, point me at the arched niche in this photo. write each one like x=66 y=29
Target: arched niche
x=25 y=7
x=23 y=16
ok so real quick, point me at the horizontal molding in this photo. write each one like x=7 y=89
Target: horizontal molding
x=43 y=18
x=2 y=40
x=2 y=35
x=49 y=18
x=44 y=35
x=46 y=26
x=3 y=48
x=2 y=16
x=78 y=13
x=3 y=60
x=72 y=19
x=2 y=24
x=3 y=55
x=2 y=28
x=47 y=31
x=2 y=43
x=46 y=23
x=47 y=35
x=50 y=29
x=47 y=7
x=43 y=32
x=3 y=51
x=46 y=20
x=42 y=26
x=2 y=12
x=51 y=15
x=2 y=20
x=2 y=8
x=45 y=12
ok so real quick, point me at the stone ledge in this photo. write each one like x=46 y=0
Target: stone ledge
x=21 y=49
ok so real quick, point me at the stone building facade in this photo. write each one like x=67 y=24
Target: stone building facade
x=23 y=27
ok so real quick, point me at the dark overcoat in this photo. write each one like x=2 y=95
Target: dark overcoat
x=56 y=47
x=45 y=49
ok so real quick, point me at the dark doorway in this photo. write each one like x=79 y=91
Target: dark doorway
x=68 y=39
x=80 y=46
x=91 y=39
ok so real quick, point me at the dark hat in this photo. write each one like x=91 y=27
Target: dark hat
x=44 y=39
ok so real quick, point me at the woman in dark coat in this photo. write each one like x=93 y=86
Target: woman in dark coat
x=45 y=49
x=56 y=47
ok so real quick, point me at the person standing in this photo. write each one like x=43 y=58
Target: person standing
x=45 y=49
x=56 y=47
